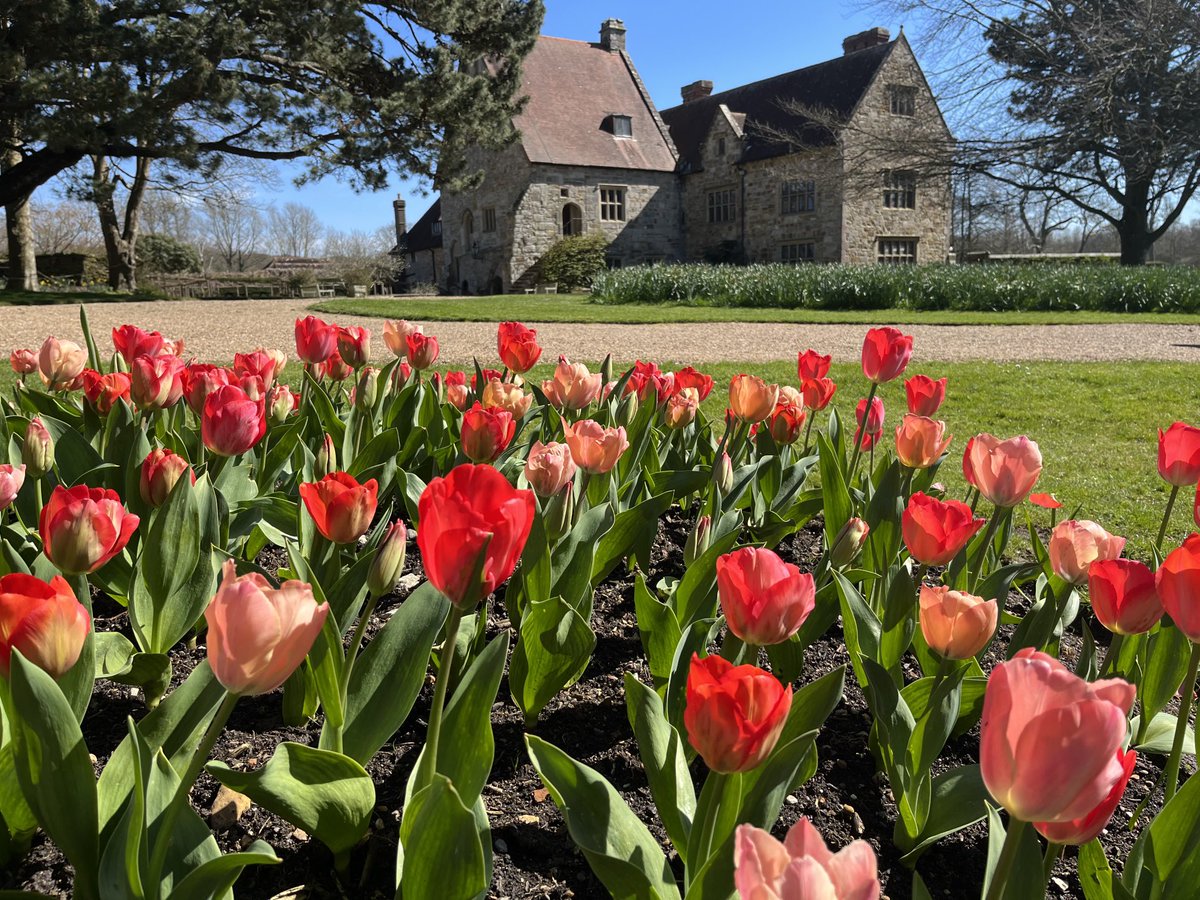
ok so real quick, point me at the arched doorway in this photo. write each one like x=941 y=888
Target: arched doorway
x=572 y=220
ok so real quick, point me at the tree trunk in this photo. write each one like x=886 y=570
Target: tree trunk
x=120 y=237
x=1134 y=227
x=22 y=253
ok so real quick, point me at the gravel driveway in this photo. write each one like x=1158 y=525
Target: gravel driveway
x=216 y=329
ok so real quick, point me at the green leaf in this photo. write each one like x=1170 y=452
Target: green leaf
x=54 y=770
x=389 y=673
x=327 y=794
x=919 y=891
x=442 y=855
x=1095 y=874
x=860 y=625
x=958 y=801
x=1172 y=850
x=171 y=550
x=215 y=877
x=658 y=629
x=618 y=847
x=571 y=561
x=696 y=596
x=1167 y=660
x=838 y=508
x=1160 y=735
x=664 y=760
x=787 y=659
x=554 y=649
x=1025 y=877
x=632 y=534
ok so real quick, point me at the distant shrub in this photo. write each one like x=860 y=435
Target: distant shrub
x=575 y=261
x=997 y=287
x=163 y=253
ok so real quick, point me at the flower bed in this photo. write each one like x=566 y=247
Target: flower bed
x=624 y=645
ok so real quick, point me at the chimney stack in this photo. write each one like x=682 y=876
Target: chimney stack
x=612 y=35
x=697 y=90
x=864 y=40
x=401 y=225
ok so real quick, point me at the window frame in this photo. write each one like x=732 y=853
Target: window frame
x=902 y=100
x=721 y=206
x=896 y=251
x=799 y=256
x=800 y=193
x=900 y=189
x=489 y=220
x=616 y=203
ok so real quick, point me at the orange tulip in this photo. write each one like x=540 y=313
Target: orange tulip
x=733 y=715
x=341 y=507
x=956 y=625
x=751 y=398
x=43 y=620
x=919 y=441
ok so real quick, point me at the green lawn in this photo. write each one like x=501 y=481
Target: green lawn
x=56 y=298
x=579 y=308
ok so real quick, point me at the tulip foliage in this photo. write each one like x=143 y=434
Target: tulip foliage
x=266 y=510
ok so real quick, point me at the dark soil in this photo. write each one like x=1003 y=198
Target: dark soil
x=534 y=855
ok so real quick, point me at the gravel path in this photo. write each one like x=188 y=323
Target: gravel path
x=214 y=330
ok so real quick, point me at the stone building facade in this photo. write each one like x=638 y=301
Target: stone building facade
x=829 y=163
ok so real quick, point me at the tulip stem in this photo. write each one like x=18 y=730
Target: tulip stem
x=981 y=559
x=180 y=800
x=1111 y=654
x=858 y=443
x=1053 y=852
x=1008 y=855
x=1181 y=721
x=808 y=431
x=439 y=696
x=1162 y=529
x=351 y=655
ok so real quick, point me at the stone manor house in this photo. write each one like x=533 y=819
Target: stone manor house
x=815 y=165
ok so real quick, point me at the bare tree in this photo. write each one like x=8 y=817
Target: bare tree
x=294 y=230
x=64 y=226
x=1042 y=214
x=233 y=227
x=361 y=257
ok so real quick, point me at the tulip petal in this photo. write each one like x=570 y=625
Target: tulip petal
x=806 y=878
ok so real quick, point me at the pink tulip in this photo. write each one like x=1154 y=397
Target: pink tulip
x=23 y=361
x=11 y=480
x=60 y=363
x=549 y=468
x=257 y=634
x=1076 y=544
x=200 y=380
x=572 y=386
x=157 y=381
x=801 y=866
x=1049 y=739
x=232 y=422
x=765 y=600
x=1003 y=471
x=595 y=448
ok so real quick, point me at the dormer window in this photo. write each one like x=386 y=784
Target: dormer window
x=621 y=126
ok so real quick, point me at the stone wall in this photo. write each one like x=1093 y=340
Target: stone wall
x=769 y=228
x=425 y=267
x=716 y=171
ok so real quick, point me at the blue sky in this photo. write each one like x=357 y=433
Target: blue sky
x=672 y=42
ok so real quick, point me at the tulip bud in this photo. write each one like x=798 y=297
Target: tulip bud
x=439 y=387
x=367 y=388
x=281 y=402
x=559 y=513
x=698 y=541
x=389 y=560
x=38 y=450
x=326 y=462
x=606 y=369
x=848 y=542
x=723 y=473
x=161 y=469
x=627 y=410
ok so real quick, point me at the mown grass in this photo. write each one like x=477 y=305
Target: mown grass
x=58 y=298
x=582 y=309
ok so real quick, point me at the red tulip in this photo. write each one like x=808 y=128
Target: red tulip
x=260 y=362
x=103 y=391
x=872 y=420
x=919 y=441
x=925 y=396
x=473 y=527
x=885 y=354
x=751 y=398
x=315 y=340
x=817 y=392
x=1079 y=831
x=232 y=423
x=257 y=634
x=11 y=480
x=517 y=346
x=43 y=620
x=936 y=530
x=335 y=368
x=156 y=382
x=82 y=528
x=161 y=469
x=1003 y=471
x=801 y=867
x=354 y=345
x=1178 y=583
x=200 y=380
x=1179 y=454
x=341 y=507
x=648 y=380
x=486 y=432
x=1124 y=595
x=688 y=377
x=765 y=600
x=733 y=715
x=1045 y=501
x=23 y=362
x=422 y=350
x=786 y=422
x=955 y=624
x=1049 y=739
x=1076 y=544
x=595 y=448
x=811 y=365
x=489 y=375
x=132 y=342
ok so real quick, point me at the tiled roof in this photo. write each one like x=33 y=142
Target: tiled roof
x=573 y=88
x=835 y=85
x=421 y=236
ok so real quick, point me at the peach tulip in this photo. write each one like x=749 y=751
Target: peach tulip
x=956 y=625
x=1049 y=740
x=1077 y=543
x=258 y=634
x=681 y=408
x=549 y=468
x=1003 y=471
x=595 y=448
x=507 y=396
x=919 y=441
x=60 y=363
x=751 y=398
x=395 y=335
x=800 y=867
x=786 y=421
x=23 y=361
x=572 y=387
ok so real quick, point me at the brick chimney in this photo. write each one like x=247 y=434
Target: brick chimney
x=612 y=35
x=864 y=40
x=697 y=90
x=401 y=225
